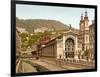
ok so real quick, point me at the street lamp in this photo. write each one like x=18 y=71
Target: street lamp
x=63 y=55
x=43 y=46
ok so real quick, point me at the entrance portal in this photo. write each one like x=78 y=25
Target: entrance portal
x=69 y=48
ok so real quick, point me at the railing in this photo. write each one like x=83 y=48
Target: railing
x=73 y=62
x=80 y=62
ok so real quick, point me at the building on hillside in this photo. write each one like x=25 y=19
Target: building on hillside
x=22 y=30
x=42 y=29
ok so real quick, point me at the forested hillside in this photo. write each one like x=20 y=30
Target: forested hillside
x=32 y=24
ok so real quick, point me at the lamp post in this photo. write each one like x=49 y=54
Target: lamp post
x=42 y=46
x=63 y=55
x=39 y=48
x=60 y=59
x=37 y=53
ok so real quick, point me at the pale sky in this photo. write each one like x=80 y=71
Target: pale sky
x=66 y=15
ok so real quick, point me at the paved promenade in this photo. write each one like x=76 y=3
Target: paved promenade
x=27 y=65
x=47 y=65
x=66 y=65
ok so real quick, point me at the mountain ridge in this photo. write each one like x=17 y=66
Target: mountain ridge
x=31 y=24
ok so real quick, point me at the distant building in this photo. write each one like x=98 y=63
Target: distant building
x=92 y=39
x=22 y=30
x=42 y=29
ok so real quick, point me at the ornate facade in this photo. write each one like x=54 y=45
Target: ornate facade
x=84 y=32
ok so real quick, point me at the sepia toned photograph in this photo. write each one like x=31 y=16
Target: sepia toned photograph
x=54 y=38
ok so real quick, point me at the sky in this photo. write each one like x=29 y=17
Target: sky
x=66 y=15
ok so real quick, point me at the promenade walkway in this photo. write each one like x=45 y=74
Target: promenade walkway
x=47 y=65
x=63 y=64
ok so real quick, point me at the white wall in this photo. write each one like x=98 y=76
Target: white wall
x=5 y=38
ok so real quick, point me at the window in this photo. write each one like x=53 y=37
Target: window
x=72 y=48
x=69 y=45
x=86 y=38
x=68 y=49
x=86 y=47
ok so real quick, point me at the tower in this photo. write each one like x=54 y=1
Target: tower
x=82 y=23
x=84 y=32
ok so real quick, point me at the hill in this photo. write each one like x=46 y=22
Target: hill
x=31 y=24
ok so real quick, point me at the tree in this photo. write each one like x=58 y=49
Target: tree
x=86 y=54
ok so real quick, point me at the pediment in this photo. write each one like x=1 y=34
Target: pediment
x=70 y=32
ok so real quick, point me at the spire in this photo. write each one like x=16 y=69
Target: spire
x=70 y=27
x=86 y=16
x=85 y=13
x=81 y=16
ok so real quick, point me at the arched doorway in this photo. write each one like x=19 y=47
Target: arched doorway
x=69 y=48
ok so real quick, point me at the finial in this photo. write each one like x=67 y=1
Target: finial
x=81 y=16
x=70 y=26
x=85 y=13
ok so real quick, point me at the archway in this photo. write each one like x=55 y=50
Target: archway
x=69 y=48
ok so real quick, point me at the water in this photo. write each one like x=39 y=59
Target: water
x=39 y=68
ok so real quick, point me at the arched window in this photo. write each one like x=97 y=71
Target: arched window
x=69 y=47
x=86 y=38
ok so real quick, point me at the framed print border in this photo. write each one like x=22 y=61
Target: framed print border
x=13 y=36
